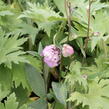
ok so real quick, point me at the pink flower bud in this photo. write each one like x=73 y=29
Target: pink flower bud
x=96 y=33
x=52 y=55
x=67 y=50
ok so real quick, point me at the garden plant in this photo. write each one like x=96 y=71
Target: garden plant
x=54 y=54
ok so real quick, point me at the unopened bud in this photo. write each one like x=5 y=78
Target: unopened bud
x=67 y=50
x=96 y=33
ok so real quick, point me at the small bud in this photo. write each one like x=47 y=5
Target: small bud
x=96 y=33
x=84 y=76
x=67 y=50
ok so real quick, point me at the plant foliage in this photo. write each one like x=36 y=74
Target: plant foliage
x=80 y=81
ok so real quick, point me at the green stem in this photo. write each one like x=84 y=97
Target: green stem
x=45 y=75
x=88 y=29
x=68 y=14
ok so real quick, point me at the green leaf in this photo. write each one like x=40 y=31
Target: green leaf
x=3 y=93
x=43 y=15
x=60 y=92
x=35 y=62
x=100 y=23
x=61 y=5
x=40 y=13
x=35 y=80
x=79 y=41
x=3 y=13
x=19 y=75
x=24 y=28
x=34 y=54
x=47 y=26
x=58 y=105
x=80 y=14
x=39 y=104
x=11 y=50
x=5 y=77
x=76 y=75
x=8 y=16
x=12 y=104
x=22 y=95
x=94 y=42
x=59 y=36
x=97 y=5
x=96 y=98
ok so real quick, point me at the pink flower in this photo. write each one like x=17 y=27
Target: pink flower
x=67 y=50
x=52 y=55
